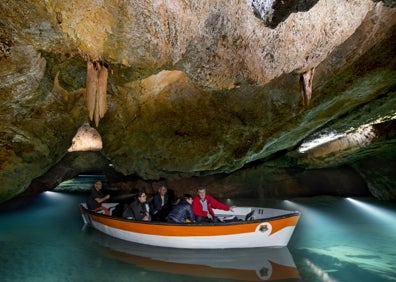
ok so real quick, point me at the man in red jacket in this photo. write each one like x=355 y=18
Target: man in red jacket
x=203 y=206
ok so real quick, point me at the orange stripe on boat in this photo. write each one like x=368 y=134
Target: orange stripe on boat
x=284 y=222
x=192 y=230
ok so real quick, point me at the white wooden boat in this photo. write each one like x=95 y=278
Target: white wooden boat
x=253 y=264
x=252 y=227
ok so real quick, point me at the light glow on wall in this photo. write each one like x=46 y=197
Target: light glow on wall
x=352 y=138
x=321 y=139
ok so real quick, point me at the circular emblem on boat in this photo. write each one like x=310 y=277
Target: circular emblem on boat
x=264 y=227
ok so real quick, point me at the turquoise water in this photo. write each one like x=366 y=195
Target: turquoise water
x=335 y=240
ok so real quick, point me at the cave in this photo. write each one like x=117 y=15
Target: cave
x=243 y=98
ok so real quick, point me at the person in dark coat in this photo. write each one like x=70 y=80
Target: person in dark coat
x=161 y=204
x=96 y=198
x=182 y=212
x=138 y=210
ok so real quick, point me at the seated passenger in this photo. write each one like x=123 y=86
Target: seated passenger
x=182 y=212
x=204 y=204
x=96 y=198
x=161 y=204
x=138 y=209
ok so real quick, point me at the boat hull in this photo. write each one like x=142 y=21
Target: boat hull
x=266 y=232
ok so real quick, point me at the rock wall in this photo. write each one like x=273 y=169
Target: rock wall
x=196 y=88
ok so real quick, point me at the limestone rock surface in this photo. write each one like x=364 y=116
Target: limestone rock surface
x=205 y=90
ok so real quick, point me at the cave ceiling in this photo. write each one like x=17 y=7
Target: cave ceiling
x=198 y=88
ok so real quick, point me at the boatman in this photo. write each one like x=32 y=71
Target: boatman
x=204 y=204
x=96 y=198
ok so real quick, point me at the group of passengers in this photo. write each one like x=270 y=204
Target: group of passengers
x=161 y=208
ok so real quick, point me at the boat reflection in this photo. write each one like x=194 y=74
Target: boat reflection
x=257 y=264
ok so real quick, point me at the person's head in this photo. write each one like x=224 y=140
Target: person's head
x=98 y=185
x=201 y=192
x=188 y=198
x=162 y=190
x=142 y=197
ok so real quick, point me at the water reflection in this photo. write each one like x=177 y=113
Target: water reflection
x=335 y=239
x=258 y=264
x=343 y=240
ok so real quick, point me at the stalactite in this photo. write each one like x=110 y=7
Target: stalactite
x=96 y=98
x=92 y=85
x=306 y=79
x=102 y=91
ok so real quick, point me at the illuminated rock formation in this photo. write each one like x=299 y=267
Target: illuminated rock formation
x=86 y=139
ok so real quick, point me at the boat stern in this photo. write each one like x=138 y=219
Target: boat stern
x=84 y=214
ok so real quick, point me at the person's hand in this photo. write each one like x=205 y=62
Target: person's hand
x=209 y=216
x=107 y=197
x=232 y=208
